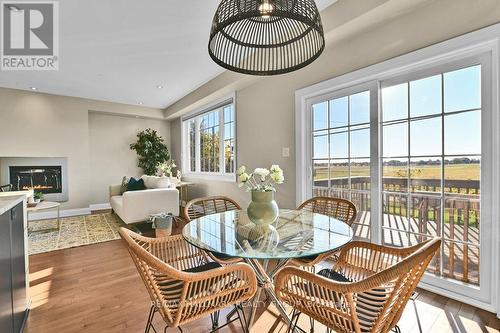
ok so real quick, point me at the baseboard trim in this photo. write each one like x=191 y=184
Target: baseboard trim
x=101 y=206
x=35 y=216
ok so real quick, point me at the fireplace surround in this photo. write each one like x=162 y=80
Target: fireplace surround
x=48 y=175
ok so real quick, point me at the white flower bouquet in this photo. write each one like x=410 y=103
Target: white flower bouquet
x=261 y=180
x=165 y=168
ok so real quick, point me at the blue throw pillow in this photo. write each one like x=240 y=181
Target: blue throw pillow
x=135 y=184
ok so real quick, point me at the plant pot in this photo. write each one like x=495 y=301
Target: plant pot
x=263 y=210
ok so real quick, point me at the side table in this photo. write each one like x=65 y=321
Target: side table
x=46 y=205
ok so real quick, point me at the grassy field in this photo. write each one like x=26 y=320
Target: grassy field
x=458 y=216
x=452 y=171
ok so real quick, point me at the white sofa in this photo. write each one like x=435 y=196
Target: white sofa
x=137 y=206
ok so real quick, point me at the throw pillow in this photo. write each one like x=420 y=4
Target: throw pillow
x=152 y=182
x=124 y=185
x=163 y=182
x=135 y=185
x=148 y=181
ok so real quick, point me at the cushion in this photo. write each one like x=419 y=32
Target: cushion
x=333 y=275
x=308 y=258
x=175 y=286
x=163 y=182
x=124 y=185
x=203 y=268
x=222 y=257
x=152 y=182
x=148 y=181
x=135 y=185
x=375 y=300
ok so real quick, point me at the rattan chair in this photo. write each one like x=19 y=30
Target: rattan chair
x=200 y=207
x=183 y=284
x=366 y=291
x=341 y=209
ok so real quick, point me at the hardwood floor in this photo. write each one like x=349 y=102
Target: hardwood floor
x=96 y=288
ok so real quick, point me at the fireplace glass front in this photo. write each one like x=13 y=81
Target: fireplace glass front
x=45 y=179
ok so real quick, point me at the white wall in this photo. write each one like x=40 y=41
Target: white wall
x=110 y=155
x=43 y=125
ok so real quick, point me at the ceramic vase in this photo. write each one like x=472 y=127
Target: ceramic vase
x=263 y=210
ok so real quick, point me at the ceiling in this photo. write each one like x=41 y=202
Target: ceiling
x=121 y=50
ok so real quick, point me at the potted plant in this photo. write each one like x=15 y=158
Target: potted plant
x=37 y=196
x=151 y=149
x=263 y=209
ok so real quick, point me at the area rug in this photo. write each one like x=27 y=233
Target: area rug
x=74 y=231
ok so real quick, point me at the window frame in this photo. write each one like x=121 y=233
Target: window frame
x=372 y=87
x=482 y=45
x=221 y=175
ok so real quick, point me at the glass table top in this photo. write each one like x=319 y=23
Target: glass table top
x=295 y=234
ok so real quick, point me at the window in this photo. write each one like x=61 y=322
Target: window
x=431 y=168
x=210 y=148
x=414 y=149
x=341 y=153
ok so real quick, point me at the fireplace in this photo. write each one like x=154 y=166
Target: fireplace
x=46 y=179
x=48 y=175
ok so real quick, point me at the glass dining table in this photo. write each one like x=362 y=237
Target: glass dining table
x=295 y=234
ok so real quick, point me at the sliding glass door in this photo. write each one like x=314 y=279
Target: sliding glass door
x=341 y=152
x=409 y=152
x=431 y=129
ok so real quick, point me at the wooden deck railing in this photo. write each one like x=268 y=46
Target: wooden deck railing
x=406 y=222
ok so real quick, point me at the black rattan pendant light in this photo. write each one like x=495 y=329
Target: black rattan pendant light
x=266 y=37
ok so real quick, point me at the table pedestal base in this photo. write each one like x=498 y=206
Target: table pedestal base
x=266 y=285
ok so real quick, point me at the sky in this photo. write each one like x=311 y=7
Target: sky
x=430 y=99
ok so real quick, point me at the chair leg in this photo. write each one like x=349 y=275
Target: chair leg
x=242 y=318
x=231 y=314
x=396 y=329
x=293 y=325
x=149 y=323
x=215 y=319
x=311 y=320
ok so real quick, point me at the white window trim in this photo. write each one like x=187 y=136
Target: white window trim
x=484 y=41
x=215 y=176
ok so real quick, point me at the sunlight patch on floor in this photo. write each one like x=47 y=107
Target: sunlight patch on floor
x=41 y=274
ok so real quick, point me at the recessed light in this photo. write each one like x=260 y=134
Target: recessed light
x=140 y=103
x=137 y=117
x=33 y=88
x=159 y=86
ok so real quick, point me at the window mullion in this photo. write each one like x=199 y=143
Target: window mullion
x=443 y=201
x=409 y=195
x=375 y=165
x=197 y=153
x=222 y=166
